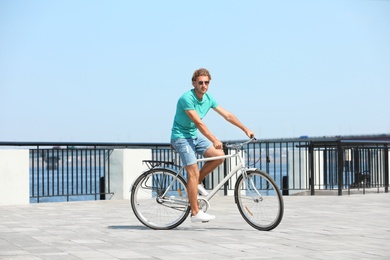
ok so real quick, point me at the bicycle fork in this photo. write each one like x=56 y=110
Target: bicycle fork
x=257 y=197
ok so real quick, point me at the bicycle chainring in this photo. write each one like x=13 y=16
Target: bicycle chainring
x=203 y=204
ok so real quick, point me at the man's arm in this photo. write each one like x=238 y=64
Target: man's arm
x=231 y=118
x=193 y=115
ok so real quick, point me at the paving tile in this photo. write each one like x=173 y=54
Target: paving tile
x=313 y=227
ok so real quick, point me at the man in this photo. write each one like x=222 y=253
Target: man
x=190 y=110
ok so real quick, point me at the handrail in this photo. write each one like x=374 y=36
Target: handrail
x=381 y=138
x=84 y=144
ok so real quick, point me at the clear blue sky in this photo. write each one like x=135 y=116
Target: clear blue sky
x=112 y=71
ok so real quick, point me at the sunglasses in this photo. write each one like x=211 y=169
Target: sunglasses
x=204 y=82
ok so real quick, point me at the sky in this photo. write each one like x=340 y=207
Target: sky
x=112 y=71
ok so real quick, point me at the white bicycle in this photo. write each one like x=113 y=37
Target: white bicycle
x=159 y=196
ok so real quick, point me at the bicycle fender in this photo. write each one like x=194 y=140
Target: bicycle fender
x=252 y=169
x=132 y=183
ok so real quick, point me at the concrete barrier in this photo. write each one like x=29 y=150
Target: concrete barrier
x=14 y=177
x=125 y=166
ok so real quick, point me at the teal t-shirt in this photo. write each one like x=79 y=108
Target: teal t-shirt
x=183 y=127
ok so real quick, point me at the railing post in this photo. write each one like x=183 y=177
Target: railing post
x=39 y=157
x=102 y=190
x=267 y=157
x=311 y=168
x=340 y=165
x=225 y=171
x=386 y=168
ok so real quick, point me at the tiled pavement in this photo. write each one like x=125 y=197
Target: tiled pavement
x=313 y=227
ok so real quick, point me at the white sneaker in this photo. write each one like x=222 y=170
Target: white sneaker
x=202 y=217
x=202 y=191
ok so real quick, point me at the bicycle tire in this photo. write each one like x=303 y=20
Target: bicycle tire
x=150 y=208
x=263 y=212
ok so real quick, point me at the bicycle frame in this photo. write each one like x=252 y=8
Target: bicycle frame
x=239 y=167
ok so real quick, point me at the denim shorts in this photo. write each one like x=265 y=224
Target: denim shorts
x=188 y=148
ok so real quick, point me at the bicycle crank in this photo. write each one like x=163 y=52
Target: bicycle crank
x=203 y=204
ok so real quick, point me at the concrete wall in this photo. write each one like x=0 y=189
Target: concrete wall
x=125 y=166
x=14 y=177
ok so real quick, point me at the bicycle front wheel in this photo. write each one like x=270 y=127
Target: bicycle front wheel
x=259 y=200
x=159 y=199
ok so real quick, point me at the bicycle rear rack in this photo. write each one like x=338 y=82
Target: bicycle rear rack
x=154 y=163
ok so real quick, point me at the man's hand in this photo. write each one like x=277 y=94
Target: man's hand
x=249 y=133
x=218 y=144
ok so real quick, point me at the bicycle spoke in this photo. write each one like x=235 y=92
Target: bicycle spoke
x=156 y=211
x=259 y=200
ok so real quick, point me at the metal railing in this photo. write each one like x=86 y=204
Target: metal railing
x=349 y=165
x=81 y=171
x=58 y=174
x=332 y=165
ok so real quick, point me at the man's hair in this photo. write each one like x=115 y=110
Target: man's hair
x=200 y=72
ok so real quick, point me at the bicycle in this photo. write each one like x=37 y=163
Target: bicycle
x=159 y=196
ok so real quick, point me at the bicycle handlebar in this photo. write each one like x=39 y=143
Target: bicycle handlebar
x=239 y=145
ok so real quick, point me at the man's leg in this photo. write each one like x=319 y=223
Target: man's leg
x=192 y=187
x=210 y=165
x=185 y=147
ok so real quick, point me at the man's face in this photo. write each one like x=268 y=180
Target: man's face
x=201 y=85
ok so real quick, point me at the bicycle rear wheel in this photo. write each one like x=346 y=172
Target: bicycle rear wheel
x=152 y=207
x=259 y=200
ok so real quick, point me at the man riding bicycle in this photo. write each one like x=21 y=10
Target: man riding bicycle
x=191 y=108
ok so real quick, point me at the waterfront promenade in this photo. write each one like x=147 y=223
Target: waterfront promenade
x=313 y=227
